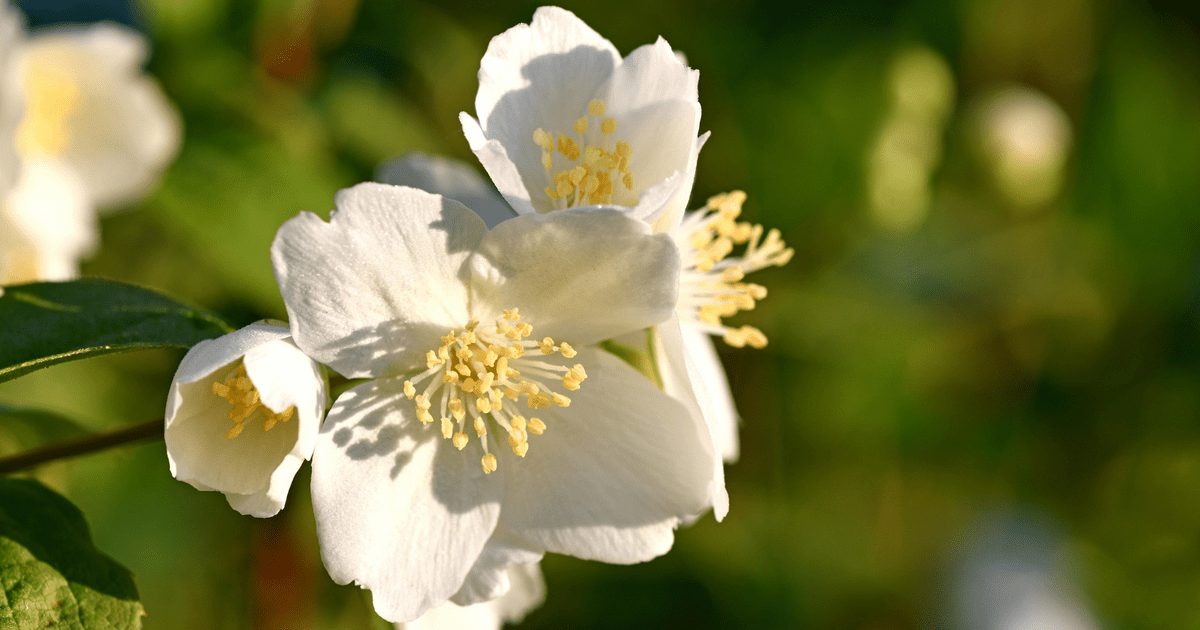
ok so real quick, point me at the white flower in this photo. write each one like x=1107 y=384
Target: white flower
x=564 y=121
x=411 y=290
x=242 y=415
x=528 y=591
x=687 y=362
x=88 y=104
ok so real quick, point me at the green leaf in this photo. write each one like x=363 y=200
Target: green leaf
x=51 y=575
x=50 y=322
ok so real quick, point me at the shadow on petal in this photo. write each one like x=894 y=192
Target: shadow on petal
x=558 y=92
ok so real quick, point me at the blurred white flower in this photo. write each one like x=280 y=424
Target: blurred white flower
x=565 y=122
x=412 y=291
x=527 y=592
x=81 y=127
x=242 y=415
x=88 y=104
x=1025 y=138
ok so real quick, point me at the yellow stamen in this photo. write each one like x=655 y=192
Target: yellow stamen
x=474 y=374
x=244 y=401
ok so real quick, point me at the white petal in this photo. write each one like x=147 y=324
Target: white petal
x=489 y=577
x=654 y=98
x=124 y=130
x=613 y=473
x=448 y=178
x=51 y=220
x=528 y=592
x=399 y=510
x=704 y=367
x=209 y=355
x=681 y=382
x=539 y=75
x=499 y=167
x=373 y=289
x=577 y=276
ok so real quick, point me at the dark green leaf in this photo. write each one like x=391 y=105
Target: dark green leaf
x=50 y=322
x=51 y=575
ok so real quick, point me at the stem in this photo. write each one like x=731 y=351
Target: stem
x=81 y=446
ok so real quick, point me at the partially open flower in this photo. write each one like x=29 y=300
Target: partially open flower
x=565 y=122
x=243 y=414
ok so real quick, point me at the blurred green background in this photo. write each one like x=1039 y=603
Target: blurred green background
x=958 y=342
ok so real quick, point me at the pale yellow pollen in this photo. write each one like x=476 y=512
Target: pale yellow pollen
x=489 y=463
x=241 y=394
x=591 y=182
x=716 y=285
x=474 y=374
x=536 y=426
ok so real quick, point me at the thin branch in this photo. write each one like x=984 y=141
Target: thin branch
x=82 y=446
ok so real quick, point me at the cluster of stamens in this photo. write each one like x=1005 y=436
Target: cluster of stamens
x=590 y=181
x=472 y=374
x=243 y=398
x=711 y=286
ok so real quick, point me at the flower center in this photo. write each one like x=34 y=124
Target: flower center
x=472 y=373
x=243 y=398
x=51 y=96
x=585 y=176
x=711 y=284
